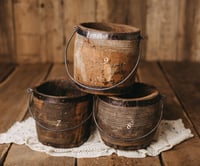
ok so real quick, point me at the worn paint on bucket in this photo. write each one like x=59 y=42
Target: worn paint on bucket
x=104 y=56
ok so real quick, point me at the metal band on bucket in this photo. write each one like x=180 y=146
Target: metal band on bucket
x=108 y=36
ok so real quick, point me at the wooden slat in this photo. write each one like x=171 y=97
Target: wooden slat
x=186 y=153
x=185 y=80
x=7 y=36
x=13 y=92
x=192 y=29
x=112 y=11
x=51 y=30
x=39 y=32
x=137 y=17
x=13 y=99
x=5 y=70
x=118 y=161
x=23 y=156
x=163 y=32
x=76 y=12
x=36 y=158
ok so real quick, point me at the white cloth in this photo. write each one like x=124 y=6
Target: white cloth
x=168 y=134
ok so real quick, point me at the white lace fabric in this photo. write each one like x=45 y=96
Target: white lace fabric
x=169 y=134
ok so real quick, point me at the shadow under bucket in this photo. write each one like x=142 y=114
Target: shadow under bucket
x=106 y=57
x=62 y=113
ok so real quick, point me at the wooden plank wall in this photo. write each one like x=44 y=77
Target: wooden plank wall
x=33 y=31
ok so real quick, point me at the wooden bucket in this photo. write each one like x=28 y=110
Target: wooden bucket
x=106 y=57
x=129 y=121
x=62 y=113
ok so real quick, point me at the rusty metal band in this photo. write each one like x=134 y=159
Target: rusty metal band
x=30 y=96
x=135 y=103
x=108 y=36
x=98 y=88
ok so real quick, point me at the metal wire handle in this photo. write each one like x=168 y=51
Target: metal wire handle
x=95 y=88
x=131 y=139
x=30 y=96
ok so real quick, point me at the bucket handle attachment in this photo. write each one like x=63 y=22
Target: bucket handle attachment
x=30 y=100
x=95 y=88
x=131 y=139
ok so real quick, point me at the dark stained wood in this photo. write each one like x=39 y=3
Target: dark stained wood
x=118 y=119
x=36 y=158
x=60 y=117
x=186 y=153
x=5 y=70
x=13 y=95
x=185 y=80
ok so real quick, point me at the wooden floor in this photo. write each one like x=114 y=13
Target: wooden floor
x=180 y=82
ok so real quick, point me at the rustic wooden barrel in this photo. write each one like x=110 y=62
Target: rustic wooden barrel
x=62 y=113
x=106 y=57
x=129 y=121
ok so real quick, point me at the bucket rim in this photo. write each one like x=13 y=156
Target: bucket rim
x=153 y=96
x=112 y=31
x=57 y=98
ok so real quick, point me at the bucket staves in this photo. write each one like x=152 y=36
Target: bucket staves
x=61 y=112
x=130 y=121
x=106 y=57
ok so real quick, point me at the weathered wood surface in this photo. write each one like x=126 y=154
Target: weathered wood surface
x=5 y=70
x=185 y=80
x=186 y=153
x=7 y=34
x=13 y=96
x=159 y=74
x=29 y=157
x=36 y=31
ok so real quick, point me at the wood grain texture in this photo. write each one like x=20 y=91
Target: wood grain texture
x=118 y=161
x=3 y=152
x=76 y=12
x=162 y=34
x=115 y=11
x=27 y=29
x=5 y=70
x=23 y=156
x=185 y=80
x=51 y=30
x=186 y=153
x=7 y=34
x=37 y=30
x=31 y=157
x=137 y=12
x=192 y=29
x=14 y=89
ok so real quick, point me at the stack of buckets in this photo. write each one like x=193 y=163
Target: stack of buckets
x=126 y=113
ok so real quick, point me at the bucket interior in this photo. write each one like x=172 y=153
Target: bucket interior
x=141 y=91
x=58 y=88
x=109 y=27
